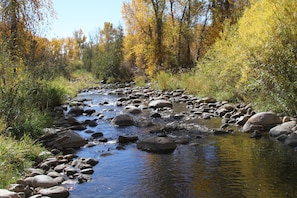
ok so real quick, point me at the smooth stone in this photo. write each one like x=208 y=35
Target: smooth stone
x=284 y=128
x=261 y=121
x=160 y=104
x=123 y=120
x=55 y=192
x=43 y=181
x=8 y=194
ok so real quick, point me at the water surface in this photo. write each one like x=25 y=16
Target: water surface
x=218 y=166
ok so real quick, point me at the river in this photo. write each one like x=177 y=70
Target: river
x=228 y=166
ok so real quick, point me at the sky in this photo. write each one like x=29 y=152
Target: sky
x=88 y=15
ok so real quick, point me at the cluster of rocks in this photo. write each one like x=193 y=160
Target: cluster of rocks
x=149 y=108
x=137 y=100
x=49 y=178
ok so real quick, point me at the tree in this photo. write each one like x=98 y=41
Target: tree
x=255 y=59
x=80 y=39
x=20 y=16
x=165 y=34
x=108 y=54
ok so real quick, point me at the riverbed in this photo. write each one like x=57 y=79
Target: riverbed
x=231 y=165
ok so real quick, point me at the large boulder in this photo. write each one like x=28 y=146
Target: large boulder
x=123 y=120
x=157 y=144
x=62 y=139
x=160 y=104
x=284 y=128
x=43 y=181
x=76 y=110
x=262 y=121
x=70 y=139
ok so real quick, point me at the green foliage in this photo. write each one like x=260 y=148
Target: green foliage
x=255 y=60
x=165 y=81
x=25 y=101
x=15 y=157
x=109 y=60
x=140 y=81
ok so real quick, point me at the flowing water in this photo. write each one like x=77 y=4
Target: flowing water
x=219 y=166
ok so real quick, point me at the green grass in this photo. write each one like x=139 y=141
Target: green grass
x=15 y=157
x=79 y=79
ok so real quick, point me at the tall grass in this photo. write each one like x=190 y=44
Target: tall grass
x=78 y=80
x=15 y=157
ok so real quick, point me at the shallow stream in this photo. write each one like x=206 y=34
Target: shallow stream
x=219 y=166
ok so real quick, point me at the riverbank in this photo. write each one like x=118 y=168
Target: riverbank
x=18 y=150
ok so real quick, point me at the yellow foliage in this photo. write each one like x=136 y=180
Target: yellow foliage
x=257 y=56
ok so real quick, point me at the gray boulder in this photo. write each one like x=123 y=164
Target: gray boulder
x=132 y=109
x=62 y=139
x=262 y=121
x=76 y=110
x=157 y=144
x=8 y=194
x=123 y=120
x=43 y=181
x=70 y=139
x=291 y=140
x=160 y=104
x=284 y=128
x=55 y=192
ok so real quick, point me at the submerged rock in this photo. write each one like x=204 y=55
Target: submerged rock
x=126 y=139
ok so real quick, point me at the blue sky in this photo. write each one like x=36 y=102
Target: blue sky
x=89 y=15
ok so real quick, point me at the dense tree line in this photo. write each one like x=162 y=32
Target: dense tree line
x=235 y=49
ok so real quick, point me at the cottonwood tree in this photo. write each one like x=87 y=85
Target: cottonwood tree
x=161 y=34
x=20 y=16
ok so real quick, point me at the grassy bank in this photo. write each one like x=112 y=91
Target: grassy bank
x=15 y=157
x=25 y=108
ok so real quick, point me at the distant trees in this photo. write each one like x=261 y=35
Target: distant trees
x=173 y=34
x=107 y=55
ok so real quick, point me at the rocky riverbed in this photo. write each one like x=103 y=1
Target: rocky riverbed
x=164 y=119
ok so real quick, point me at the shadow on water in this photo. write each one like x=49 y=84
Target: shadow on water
x=219 y=166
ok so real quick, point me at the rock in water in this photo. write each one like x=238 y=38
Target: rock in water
x=55 y=192
x=262 y=121
x=157 y=144
x=123 y=120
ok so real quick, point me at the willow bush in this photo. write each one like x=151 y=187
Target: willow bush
x=255 y=59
